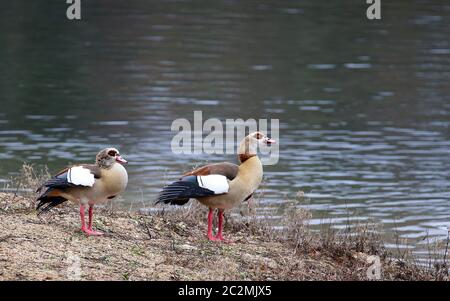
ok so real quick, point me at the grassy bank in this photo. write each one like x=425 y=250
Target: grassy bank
x=172 y=246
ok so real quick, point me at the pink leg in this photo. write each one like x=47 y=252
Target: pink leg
x=220 y=216
x=91 y=214
x=210 y=222
x=83 y=223
x=88 y=230
x=219 y=233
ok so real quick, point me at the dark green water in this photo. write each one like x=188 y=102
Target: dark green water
x=364 y=106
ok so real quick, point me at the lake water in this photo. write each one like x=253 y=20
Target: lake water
x=364 y=106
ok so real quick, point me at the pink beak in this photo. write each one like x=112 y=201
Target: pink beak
x=270 y=141
x=121 y=160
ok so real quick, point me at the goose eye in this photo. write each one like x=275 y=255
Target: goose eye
x=112 y=153
x=258 y=136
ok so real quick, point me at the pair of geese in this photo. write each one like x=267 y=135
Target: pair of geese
x=219 y=186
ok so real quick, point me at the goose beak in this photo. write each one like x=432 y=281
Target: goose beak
x=121 y=160
x=270 y=141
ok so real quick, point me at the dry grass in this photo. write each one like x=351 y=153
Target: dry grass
x=171 y=245
x=28 y=180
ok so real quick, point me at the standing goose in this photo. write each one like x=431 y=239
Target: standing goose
x=86 y=184
x=221 y=185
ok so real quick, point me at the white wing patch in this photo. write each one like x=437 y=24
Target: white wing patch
x=79 y=175
x=217 y=183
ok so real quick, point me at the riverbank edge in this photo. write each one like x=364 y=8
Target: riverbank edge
x=171 y=245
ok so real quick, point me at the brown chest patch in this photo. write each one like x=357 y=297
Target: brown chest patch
x=245 y=157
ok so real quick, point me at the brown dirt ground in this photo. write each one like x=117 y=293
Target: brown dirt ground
x=170 y=246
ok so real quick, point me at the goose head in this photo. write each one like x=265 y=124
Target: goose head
x=249 y=145
x=108 y=156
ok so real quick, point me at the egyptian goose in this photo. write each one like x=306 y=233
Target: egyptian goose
x=86 y=184
x=221 y=185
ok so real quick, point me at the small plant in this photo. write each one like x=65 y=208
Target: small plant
x=29 y=179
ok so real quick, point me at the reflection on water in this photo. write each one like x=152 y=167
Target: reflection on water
x=364 y=106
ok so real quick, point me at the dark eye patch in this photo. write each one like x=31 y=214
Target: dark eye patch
x=112 y=153
x=258 y=136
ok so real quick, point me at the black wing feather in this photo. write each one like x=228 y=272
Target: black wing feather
x=179 y=192
x=60 y=181
x=46 y=204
